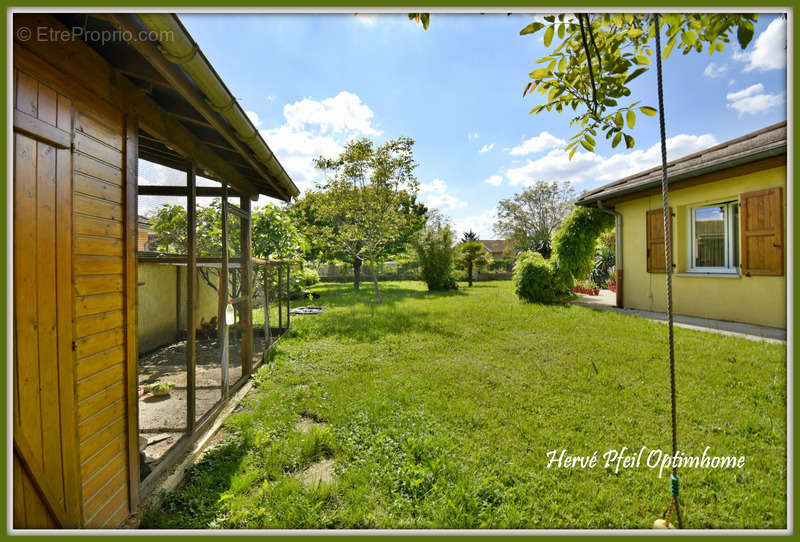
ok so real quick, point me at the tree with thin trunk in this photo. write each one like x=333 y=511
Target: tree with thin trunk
x=473 y=255
x=371 y=199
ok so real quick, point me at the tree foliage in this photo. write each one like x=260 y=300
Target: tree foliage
x=472 y=255
x=575 y=241
x=530 y=217
x=594 y=58
x=370 y=206
x=435 y=246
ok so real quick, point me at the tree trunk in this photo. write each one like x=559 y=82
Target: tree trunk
x=469 y=272
x=375 y=281
x=356 y=273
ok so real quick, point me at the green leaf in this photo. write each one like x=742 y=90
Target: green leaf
x=642 y=60
x=531 y=28
x=562 y=64
x=618 y=119
x=649 y=111
x=616 y=140
x=636 y=73
x=744 y=33
x=561 y=31
x=586 y=145
x=548 y=36
x=541 y=73
x=629 y=141
x=631 y=118
x=572 y=152
x=670 y=44
x=426 y=20
x=634 y=33
x=590 y=139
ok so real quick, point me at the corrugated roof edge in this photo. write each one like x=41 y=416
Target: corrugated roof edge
x=650 y=178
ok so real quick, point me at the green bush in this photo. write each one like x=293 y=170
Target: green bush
x=434 y=246
x=307 y=277
x=459 y=275
x=575 y=241
x=536 y=280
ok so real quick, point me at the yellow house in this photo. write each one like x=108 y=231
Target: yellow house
x=728 y=210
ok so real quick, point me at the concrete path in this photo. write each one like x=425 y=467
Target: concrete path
x=607 y=299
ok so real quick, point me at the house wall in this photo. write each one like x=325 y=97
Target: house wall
x=76 y=90
x=755 y=300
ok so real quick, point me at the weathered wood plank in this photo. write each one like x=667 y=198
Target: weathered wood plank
x=47 y=104
x=94 y=503
x=97 y=402
x=94 y=304
x=27 y=95
x=100 y=342
x=99 y=170
x=95 y=323
x=98 y=362
x=99 y=478
x=100 y=381
x=102 y=456
x=107 y=423
x=26 y=321
x=97 y=188
x=46 y=309
x=97 y=129
x=98 y=265
x=89 y=225
x=97 y=150
x=98 y=246
x=98 y=208
x=98 y=284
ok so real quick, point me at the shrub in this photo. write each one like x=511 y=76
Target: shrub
x=575 y=241
x=536 y=280
x=459 y=275
x=434 y=246
x=308 y=277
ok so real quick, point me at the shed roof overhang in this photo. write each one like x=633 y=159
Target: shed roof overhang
x=200 y=120
x=769 y=142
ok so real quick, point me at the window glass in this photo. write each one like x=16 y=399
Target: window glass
x=709 y=237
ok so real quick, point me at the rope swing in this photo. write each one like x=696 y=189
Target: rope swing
x=674 y=508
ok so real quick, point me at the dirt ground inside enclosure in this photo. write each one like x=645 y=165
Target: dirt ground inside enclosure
x=162 y=420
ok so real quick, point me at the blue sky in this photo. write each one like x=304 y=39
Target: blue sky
x=312 y=81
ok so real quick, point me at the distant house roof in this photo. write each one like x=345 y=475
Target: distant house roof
x=494 y=246
x=764 y=143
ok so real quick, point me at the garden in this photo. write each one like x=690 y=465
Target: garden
x=438 y=410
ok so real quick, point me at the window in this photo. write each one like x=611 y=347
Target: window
x=714 y=238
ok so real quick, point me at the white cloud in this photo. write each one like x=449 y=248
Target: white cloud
x=494 y=180
x=715 y=70
x=758 y=88
x=487 y=148
x=585 y=166
x=270 y=98
x=753 y=100
x=539 y=143
x=482 y=224
x=313 y=128
x=343 y=113
x=769 y=49
x=436 y=195
x=472 y=136
x=253 y=116
x=366 y=19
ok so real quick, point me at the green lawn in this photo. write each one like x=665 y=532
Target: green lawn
x=439 y=408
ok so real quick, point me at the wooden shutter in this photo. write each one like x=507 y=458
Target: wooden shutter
x=762 y=232
x=656 y=256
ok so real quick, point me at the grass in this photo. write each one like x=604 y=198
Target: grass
x=439 y=410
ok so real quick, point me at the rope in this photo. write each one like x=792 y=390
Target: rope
x=668 y=250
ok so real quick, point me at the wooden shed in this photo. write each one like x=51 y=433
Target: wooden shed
x=92 y=96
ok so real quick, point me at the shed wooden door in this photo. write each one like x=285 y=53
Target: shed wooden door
x=45 y=429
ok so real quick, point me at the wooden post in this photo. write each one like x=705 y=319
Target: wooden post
x=267 y=332
x=222 y=326
x=288 y=294
x=247 y=286
x=131 y=354
x=280 y=299
x=191 y=296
